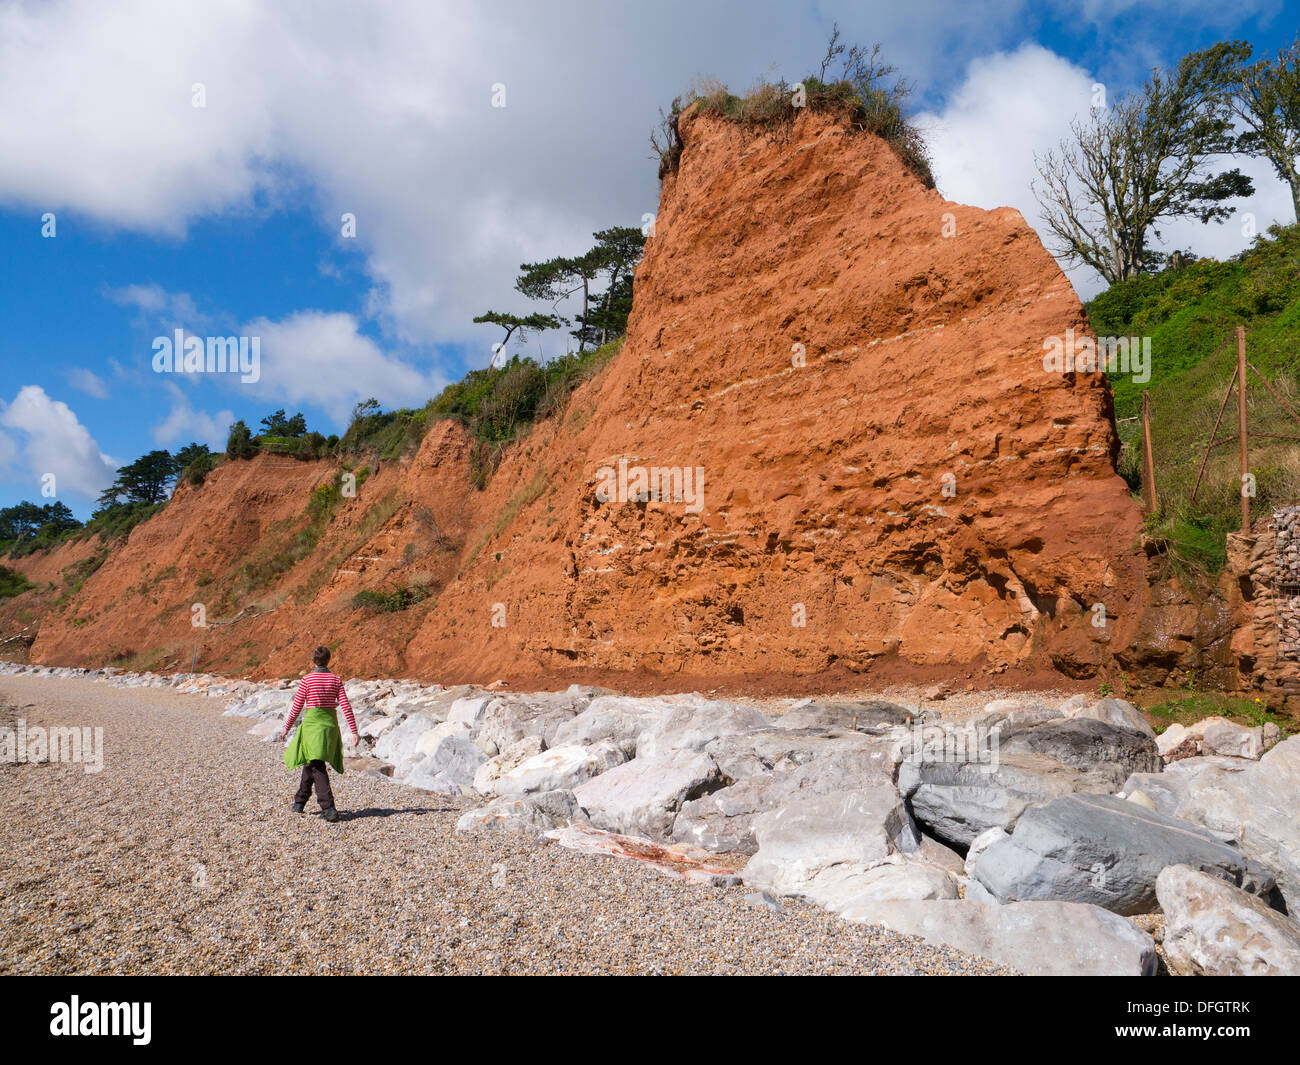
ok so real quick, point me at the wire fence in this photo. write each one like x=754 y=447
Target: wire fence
x=1194 y=439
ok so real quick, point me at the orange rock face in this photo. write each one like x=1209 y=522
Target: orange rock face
x=854 y=367
x=828 y=447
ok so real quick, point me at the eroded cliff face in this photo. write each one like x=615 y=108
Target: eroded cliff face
x=881 y=475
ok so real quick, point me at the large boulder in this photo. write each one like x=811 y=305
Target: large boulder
x=642 y=797
x=694 y=728
x=849 y=887
x=491 y=771
x=560 y=768
x=1229 y=740
x=862 y=826
x=1117 y=712
x=723 y=821
x=1103 y=850
x=958 y=801
x=1215 y=929
x=449 y=768
x=1170 y=790
x=399 y=744
x=855 y=715
x=1256 y=807
x=509 y=718
x=847 y=756
x=1034 y=938
x=405 y=700
x=622 y=718
x=1085 y=743
x=531 y=815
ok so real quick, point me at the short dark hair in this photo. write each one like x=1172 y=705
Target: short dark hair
x=321 y=656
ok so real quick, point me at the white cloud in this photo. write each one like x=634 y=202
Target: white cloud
x=161 y=308
x=320 y=358
x=385 y=111
x=55 y=442
x=87 y=381
x=184 y=424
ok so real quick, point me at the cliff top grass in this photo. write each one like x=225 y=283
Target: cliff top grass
x=863 y=96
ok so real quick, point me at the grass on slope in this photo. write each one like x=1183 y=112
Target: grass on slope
x=1191 y=315
x=1196 y=706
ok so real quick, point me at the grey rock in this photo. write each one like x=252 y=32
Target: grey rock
x=622 y=719
x=1034 y=938
x=449 y=768
x=943 y=856
x=977 y=892
x=1103 y=850
x=756 y=752
x=860 y=715
x=1255 y=806
x=1117 y=712
x=491 y=771
x=958 y=801
x=1230 y=740
x=642 y=797
x=399 y=744
x=723 y=821
x=980 y=844
x=849 y=887
x=529 y=814
x=560 y=768
x=1215 y=929
x=694 y=728
x=507 y=719
x=812 y=832
x=1094 y=746
x=765 y=900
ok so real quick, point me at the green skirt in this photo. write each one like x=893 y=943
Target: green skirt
x=318 y=739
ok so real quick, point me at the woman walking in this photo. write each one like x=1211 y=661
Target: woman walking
x=318 y=739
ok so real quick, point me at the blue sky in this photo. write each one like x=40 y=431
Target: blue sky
x=226 y=219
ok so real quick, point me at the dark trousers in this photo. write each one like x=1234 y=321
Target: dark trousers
x=315 y=772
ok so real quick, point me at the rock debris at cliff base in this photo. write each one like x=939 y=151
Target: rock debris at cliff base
x=102 y=873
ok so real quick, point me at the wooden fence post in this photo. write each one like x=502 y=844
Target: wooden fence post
x=1148 y=461
x=1241 y=428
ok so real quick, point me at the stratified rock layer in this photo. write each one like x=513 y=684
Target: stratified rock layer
x=852 y=365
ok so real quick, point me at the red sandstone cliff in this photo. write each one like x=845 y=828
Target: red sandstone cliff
x=891 y=481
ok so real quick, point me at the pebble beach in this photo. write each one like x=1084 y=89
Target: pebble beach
x=182 y=857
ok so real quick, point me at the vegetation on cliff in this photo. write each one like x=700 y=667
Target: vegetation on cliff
x=864 y=95
x=12 y=583
x=1190 y=311
x=1156 y=155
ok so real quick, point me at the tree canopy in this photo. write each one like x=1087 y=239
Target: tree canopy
x=1143 y=162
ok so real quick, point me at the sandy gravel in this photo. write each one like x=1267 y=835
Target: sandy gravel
x=182 y=856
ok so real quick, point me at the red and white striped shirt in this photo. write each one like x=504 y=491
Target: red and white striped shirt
x=321 y=688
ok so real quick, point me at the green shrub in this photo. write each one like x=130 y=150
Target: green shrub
x=197 y=471
x=12 y=583
x=239 y=445
x=390 y=601
x=497 y=405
